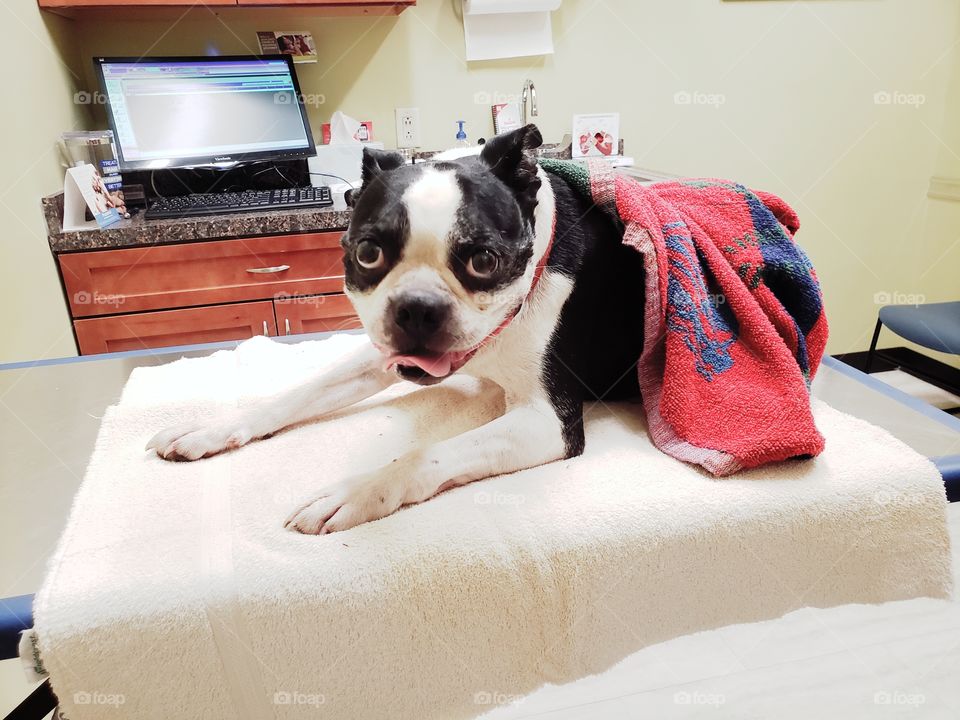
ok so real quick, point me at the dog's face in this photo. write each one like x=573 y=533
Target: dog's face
x=439 y=255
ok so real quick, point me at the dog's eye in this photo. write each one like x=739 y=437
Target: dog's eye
x=369 y=254
x=482 y=264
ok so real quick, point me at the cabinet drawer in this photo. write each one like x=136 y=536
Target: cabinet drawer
x=323 y=313
x=104 y=282
x=175 y=327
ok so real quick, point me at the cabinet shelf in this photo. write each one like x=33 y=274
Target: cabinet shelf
x=156 y=8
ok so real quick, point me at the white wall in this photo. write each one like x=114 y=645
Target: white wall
x=798 y=116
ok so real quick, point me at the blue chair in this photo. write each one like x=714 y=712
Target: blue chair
x=934 y=325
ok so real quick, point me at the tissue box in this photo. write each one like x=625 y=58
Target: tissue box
x=340 y=160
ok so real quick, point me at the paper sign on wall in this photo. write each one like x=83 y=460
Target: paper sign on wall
x=495 y=29
x=83 y=190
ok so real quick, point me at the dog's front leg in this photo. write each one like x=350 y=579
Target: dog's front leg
x=355 y=377
x=525 y=436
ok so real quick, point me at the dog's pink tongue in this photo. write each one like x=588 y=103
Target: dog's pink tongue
x=436 y=365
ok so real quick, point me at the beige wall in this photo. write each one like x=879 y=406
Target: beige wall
x=39 y=84
x=797 y=117
x=937 y=264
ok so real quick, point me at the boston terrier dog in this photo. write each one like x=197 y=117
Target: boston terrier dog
x=487 y=265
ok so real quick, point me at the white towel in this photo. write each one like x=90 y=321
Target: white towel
x=176 y=592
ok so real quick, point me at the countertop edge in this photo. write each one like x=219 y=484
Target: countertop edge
x=137 y=232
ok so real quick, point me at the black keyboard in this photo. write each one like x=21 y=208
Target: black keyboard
x=234 y=202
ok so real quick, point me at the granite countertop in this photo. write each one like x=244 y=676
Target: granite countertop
x=138 y=231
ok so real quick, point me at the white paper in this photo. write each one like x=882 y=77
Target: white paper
x=494 y=29
x=489 y=38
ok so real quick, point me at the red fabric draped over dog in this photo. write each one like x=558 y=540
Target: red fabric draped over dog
x=734 y=321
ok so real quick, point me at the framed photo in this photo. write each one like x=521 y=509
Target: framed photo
x=298 y=43
x=596 y=135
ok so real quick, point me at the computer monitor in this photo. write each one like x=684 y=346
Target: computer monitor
x=180 y=112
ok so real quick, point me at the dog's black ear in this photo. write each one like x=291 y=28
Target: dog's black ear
x=378 y=161
x=511 y=158
x=373 y=164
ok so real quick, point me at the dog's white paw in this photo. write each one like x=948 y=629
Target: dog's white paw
x=347 y=505
x=191 y=441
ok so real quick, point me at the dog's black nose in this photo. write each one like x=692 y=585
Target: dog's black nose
x=420 y=315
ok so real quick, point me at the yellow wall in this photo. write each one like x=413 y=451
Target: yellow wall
x=798 y=115
x=39 y=83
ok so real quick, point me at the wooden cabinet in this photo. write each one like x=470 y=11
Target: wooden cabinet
x=155 y=8
x=212 y=291
x=119 y=4
x=371 y=6
x=106 y=282
x=323 y=313
x=167 y=328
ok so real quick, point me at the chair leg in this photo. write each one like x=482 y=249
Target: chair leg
x=873 y=347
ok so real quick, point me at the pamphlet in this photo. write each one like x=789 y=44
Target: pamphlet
x=506 y=117
x=84 y=190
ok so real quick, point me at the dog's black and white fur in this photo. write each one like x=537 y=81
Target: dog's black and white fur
x=437 y=256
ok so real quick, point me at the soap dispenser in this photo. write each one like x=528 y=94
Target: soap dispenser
x=461 y=135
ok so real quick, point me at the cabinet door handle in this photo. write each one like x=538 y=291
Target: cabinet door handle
x=266 y=270
x=265 y=330
x=286 y=325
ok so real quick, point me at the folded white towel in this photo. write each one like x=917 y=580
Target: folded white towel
x=176 y=593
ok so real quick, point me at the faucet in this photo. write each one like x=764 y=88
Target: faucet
x=529 y=86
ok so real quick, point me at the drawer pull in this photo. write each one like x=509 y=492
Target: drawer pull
x=271 y=269
x=286 y=323
x=265 y=330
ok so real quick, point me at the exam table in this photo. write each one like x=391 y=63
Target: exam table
x=54 y=408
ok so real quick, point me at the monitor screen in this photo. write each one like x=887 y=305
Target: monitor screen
x=188 y=112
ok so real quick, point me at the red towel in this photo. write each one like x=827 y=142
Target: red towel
x=734 y=321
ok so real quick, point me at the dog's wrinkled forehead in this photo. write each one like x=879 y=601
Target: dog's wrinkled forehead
x=437 y=198
x=433 y=203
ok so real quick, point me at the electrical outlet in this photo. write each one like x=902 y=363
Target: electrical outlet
x=408 y=127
